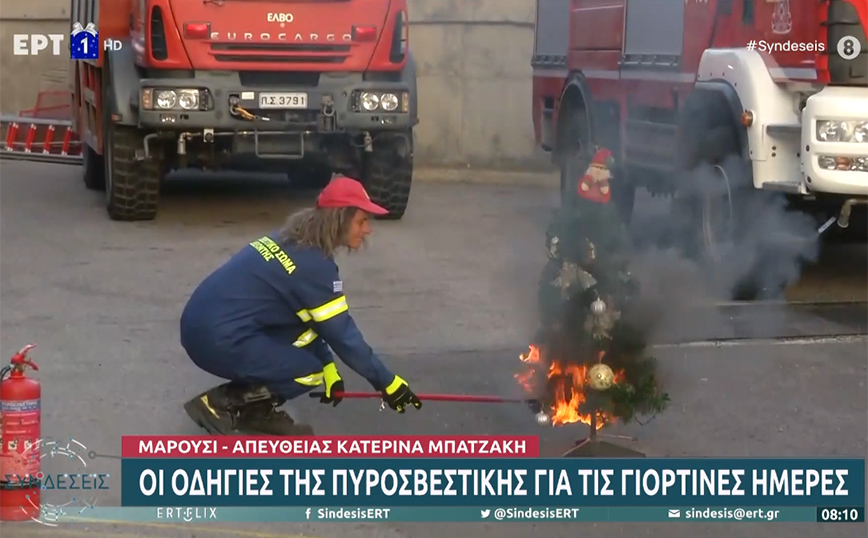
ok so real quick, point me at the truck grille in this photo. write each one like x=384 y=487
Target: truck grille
x=280 y=53
x=278 y=79
x=159 y=49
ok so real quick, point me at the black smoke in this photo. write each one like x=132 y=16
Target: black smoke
x=761 y=245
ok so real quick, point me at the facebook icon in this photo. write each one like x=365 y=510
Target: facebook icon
x=83 y=44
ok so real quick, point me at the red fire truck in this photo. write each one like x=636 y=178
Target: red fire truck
x=330 y=84
x=769 y=96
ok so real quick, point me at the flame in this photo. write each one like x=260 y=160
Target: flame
x=567 y=385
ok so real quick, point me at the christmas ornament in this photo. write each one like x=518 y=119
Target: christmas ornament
x=568 y=274
x=554 y=251
x=542 y=419
x=598 y=307
x=601 y=377
x=601 y=325
x=594 y=185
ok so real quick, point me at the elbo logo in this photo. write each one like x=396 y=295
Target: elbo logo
x=34 y=44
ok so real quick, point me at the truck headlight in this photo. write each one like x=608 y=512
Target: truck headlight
x=842 y=131
x=389 y=102
x=173 y=99
x=843 y=164
x=370 y=101
x=188 y=99
x=166 y=99
x=373 y=101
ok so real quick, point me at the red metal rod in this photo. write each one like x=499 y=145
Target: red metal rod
x=433 y=397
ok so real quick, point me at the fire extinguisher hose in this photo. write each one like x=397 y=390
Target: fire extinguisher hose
x=5 y=370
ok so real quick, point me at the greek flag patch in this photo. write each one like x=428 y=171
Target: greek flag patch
x=338 y=286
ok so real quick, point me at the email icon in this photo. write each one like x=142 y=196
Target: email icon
x=674 y=514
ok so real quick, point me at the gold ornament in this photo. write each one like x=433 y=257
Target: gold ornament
x=601 y=377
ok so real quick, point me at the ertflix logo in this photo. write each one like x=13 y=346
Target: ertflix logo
x=76 y=488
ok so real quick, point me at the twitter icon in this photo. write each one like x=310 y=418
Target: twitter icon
x=484 y=513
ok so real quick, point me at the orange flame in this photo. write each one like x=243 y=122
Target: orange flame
x=567 y=383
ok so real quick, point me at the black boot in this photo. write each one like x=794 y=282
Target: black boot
x=213 y=411
x=264 y=418
x=240 y=409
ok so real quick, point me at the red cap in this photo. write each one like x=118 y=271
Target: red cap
x=347 y=192
x=603 y=157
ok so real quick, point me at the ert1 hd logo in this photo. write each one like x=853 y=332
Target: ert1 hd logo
x=84 y=43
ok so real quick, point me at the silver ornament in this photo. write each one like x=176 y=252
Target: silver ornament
x=554 y=249
x=598 y=307
x=542 y=419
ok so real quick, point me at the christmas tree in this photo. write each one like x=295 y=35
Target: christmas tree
x=589 y=363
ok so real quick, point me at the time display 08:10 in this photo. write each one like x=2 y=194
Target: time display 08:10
x=840 y=515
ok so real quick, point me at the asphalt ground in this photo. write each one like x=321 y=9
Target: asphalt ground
x=447 y=297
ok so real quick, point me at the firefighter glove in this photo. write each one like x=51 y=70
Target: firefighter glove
x=398 y=396
x=333 y=383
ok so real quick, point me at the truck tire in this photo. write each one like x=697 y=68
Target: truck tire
x=623 y=193
x=132 y=187
x=93 y=169
x=573 y=139
x=716 y=205
x=388 y=176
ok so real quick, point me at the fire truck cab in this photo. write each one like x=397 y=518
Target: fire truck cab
x=769 y=96
x=330 y=85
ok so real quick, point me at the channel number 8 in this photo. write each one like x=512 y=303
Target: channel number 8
x=849 y=47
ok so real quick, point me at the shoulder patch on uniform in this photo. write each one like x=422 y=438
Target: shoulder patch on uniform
x=338 y=286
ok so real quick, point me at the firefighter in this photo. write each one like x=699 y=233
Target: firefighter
x=266 y=319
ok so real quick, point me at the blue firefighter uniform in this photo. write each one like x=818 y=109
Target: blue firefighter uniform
x=269 y=315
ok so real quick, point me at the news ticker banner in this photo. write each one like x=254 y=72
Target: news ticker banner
x=435 y=472
x=463 y=514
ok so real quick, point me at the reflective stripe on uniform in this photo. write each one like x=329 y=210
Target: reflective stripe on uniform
x=305 y=338
x=329 y=310
x=207 y=404
x=303 y=315
x=311 y=380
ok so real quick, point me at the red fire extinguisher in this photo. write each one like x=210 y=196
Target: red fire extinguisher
x=20 y=431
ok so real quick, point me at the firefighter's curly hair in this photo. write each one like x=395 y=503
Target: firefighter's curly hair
x=322 y=228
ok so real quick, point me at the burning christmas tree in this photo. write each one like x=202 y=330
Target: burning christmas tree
x=588 y=363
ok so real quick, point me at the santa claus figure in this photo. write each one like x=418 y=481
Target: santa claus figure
x=587 y=246
x=594 y=185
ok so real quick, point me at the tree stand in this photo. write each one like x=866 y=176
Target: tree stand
x=593 y=447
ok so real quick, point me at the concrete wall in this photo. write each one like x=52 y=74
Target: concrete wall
x=22 y=77
x=474 y=77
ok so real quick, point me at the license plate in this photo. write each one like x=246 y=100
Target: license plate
x=283 y=100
